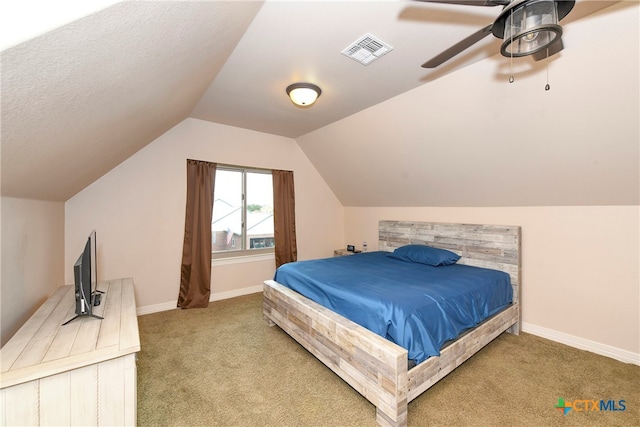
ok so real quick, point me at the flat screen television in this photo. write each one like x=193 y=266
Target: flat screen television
x=85 y=274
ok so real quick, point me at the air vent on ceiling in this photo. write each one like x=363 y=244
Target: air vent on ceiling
x=367 y=49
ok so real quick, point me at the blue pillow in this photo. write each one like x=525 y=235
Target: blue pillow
x=425 y=255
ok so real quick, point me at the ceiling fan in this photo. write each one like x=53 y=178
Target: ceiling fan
x=528 y=27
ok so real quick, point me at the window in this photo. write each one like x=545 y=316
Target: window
x=242 y=212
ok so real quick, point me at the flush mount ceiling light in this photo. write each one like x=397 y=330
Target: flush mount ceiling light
x=303 y=94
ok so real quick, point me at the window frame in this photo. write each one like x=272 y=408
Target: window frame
x=244 y=252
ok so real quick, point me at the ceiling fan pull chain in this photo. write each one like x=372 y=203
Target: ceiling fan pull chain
x=511 y=79
x=547 y=87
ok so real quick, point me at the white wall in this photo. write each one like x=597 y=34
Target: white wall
x=32 y=259
x=138 y=209
x=580 y=267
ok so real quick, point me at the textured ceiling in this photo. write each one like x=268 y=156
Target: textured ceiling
x=78 y=100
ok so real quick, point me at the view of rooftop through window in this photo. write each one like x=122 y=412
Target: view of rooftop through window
x=242 y=210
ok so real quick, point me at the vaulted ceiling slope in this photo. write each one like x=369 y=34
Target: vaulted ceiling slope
x=473 y=139
x=80 y=99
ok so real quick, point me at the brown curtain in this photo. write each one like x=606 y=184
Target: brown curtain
x=195 y=272
x=284 y=217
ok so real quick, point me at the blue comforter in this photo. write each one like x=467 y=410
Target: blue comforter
x=417 y=306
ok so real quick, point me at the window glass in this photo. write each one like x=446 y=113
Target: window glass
x=242 y=211
x=259 y=211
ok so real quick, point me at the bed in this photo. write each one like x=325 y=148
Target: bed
x=376 y=367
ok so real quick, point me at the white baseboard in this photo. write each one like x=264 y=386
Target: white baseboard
x=155 y=308
x=171 y=305
x=236 y=293
x=583 y=344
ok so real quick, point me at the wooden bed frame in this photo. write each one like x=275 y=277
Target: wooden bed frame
x=376 y=367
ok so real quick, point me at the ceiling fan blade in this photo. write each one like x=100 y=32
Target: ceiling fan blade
x=471 y=2
x=458 y=47
x=554 y=48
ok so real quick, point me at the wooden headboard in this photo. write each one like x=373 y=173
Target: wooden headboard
x=480 y=245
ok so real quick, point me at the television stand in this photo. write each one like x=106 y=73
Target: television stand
x=82 y=374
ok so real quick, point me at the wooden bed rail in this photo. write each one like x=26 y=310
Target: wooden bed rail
x=429 y=372
x=376 y=368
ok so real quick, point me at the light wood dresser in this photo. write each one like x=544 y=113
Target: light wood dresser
x=79 y=374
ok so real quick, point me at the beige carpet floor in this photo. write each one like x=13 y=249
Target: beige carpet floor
x=223 y=366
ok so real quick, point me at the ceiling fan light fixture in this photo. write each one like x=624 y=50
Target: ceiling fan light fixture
x=303 y=94
x=529 y=26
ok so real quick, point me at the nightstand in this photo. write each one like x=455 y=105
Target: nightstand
x=342 y=252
